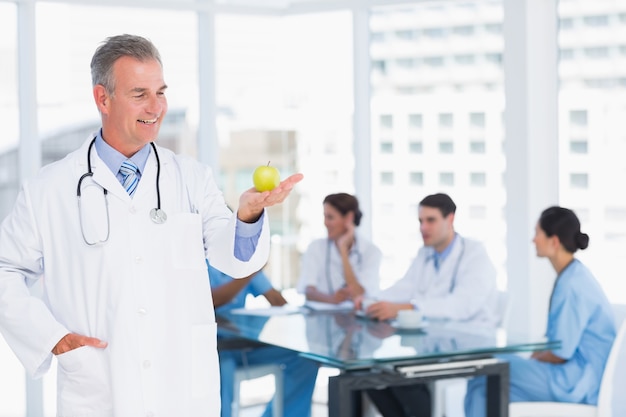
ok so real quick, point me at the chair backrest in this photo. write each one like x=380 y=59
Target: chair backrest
x=503 y=308
x=616 y=360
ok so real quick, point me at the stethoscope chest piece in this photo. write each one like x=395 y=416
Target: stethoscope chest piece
x=158 y=216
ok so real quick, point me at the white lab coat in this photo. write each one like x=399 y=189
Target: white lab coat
x=146 y=291
x=322 y=267
x=464 y=288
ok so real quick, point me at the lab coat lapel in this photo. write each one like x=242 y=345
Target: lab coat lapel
x=103 y=176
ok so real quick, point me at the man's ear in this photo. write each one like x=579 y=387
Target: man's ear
x=101 y=98
x=450 y=219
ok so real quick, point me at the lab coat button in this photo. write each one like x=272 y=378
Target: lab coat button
x=132 y=209
x=146 y=364
x=149 y=414
x=137 y=259
x=142 y=311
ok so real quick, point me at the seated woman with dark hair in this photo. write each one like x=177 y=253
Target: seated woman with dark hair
x=344 y=264
x=579 y=316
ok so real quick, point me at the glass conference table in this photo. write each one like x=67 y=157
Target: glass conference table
x=376 y=354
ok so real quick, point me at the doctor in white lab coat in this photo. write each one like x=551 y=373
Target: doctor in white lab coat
x=451 y=277
x=343 y=265
x=126 y=306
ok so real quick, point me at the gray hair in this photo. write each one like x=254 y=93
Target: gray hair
x=114 y=48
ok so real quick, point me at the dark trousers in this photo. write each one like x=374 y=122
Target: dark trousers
x=402 y=401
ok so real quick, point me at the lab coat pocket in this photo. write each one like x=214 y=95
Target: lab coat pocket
x=82 y=383
x=204 y=361
x=186 y=241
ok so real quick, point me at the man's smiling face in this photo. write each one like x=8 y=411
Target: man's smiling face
x=132 y=115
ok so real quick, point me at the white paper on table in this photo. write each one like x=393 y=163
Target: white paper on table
x=268 y=311
x=320 y=306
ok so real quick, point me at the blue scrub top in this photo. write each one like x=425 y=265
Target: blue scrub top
x=581 y=318
x=259 y=284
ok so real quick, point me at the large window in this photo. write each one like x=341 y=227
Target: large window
x=447 y=112
x=592 y=104
x=9 y=114
x=288 y=99
x=67 y=36
x=12 y=376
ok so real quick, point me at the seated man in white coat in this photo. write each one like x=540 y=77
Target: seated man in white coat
x=451 y=277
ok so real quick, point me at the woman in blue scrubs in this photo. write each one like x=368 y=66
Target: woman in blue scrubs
x=580 y=316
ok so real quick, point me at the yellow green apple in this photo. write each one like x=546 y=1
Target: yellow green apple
x=265 y=178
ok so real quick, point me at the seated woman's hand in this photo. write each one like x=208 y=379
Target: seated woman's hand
x=342 y=294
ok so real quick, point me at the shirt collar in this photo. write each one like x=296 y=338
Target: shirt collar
x=444 y=253
x=113 y=158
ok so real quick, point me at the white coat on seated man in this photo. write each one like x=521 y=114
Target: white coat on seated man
x=451 y=277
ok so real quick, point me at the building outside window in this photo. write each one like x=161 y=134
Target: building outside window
x=579 y=180
x=416 y=178
x=386 y=178
x=477 y=146
x=478 y=179
x=416 y=146
x=446 y=179
x=446 y=146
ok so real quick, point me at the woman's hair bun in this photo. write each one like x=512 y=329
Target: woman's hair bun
x=582 y=240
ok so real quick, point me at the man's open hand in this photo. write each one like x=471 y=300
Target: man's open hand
x=252 y=202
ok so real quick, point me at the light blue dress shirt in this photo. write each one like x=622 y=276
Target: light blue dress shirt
x=438 y=258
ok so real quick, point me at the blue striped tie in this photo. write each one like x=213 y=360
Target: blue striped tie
x=129 y=176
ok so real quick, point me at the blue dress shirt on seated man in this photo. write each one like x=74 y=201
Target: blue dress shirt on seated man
x=299 y=374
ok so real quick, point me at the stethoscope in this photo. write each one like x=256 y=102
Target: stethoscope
x=157 y=215
x=455 y=271
x=329 y=281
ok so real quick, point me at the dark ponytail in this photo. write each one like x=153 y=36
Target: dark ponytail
x=565 y=225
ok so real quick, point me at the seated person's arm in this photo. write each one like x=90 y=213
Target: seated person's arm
x=313 y=294
x=547 y=356
x=353 y=285
x=344 y=243
x=385 y=310
x=225 y=293
x=274 y=297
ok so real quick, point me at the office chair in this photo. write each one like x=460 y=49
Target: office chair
x=605 y=398
x=248 y=372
